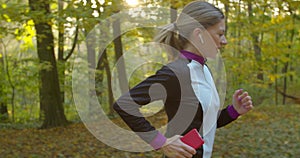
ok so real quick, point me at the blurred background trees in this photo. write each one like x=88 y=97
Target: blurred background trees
x=39 y=39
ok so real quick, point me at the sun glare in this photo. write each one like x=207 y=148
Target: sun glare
x=132 y=2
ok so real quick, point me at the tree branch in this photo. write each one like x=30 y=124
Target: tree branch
x=74 y=44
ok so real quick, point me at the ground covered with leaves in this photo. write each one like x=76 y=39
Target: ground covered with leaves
x=268 y=131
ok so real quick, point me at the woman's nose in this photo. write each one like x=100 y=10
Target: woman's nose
x=224 y=40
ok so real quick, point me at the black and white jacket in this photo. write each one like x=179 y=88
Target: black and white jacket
x=190 y=101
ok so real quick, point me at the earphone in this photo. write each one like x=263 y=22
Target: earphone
x=201 y=39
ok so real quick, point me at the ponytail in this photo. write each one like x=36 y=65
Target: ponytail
x=169 y=35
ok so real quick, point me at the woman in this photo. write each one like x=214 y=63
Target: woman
x=185 y=85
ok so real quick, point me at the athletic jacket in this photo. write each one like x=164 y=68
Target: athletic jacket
x=190 y=101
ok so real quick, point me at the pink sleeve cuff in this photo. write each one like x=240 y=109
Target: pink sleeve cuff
x=158 y=141
x=232 y=112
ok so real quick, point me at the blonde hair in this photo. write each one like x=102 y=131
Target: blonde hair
x=197 y=14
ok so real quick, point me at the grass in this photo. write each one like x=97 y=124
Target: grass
x=267 y=131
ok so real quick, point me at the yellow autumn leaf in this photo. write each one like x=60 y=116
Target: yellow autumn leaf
x=7 y=17
x=272 y=78
x=18 y=37
x=30 y=23
x=3 y=6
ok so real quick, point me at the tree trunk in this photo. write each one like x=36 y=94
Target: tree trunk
x=50 y=99
x=284 y=71
x=119 y=53
x=99 y=77
x=226 y=4
x=276 y=71
x=255 y=41
x=103 y=65
x=61 y=61
x=109 y=89
x=3 y=104
x=287 y=64
x=91 y=57
x=236 y=33
x=9 y=81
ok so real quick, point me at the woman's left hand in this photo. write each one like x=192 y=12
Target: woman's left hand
x=242 y=102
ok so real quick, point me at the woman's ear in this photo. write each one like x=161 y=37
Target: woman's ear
x=205 y=44
x=196 y=33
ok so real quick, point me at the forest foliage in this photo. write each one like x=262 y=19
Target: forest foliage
x=40 y=41
x=261 y=57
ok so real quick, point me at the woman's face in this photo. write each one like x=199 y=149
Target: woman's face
x=217 y=32
x=208 y=41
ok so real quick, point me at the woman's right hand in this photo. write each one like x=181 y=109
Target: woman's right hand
x=175 y=148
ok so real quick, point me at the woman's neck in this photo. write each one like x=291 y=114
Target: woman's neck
x=192 y=56
x=192 y=49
